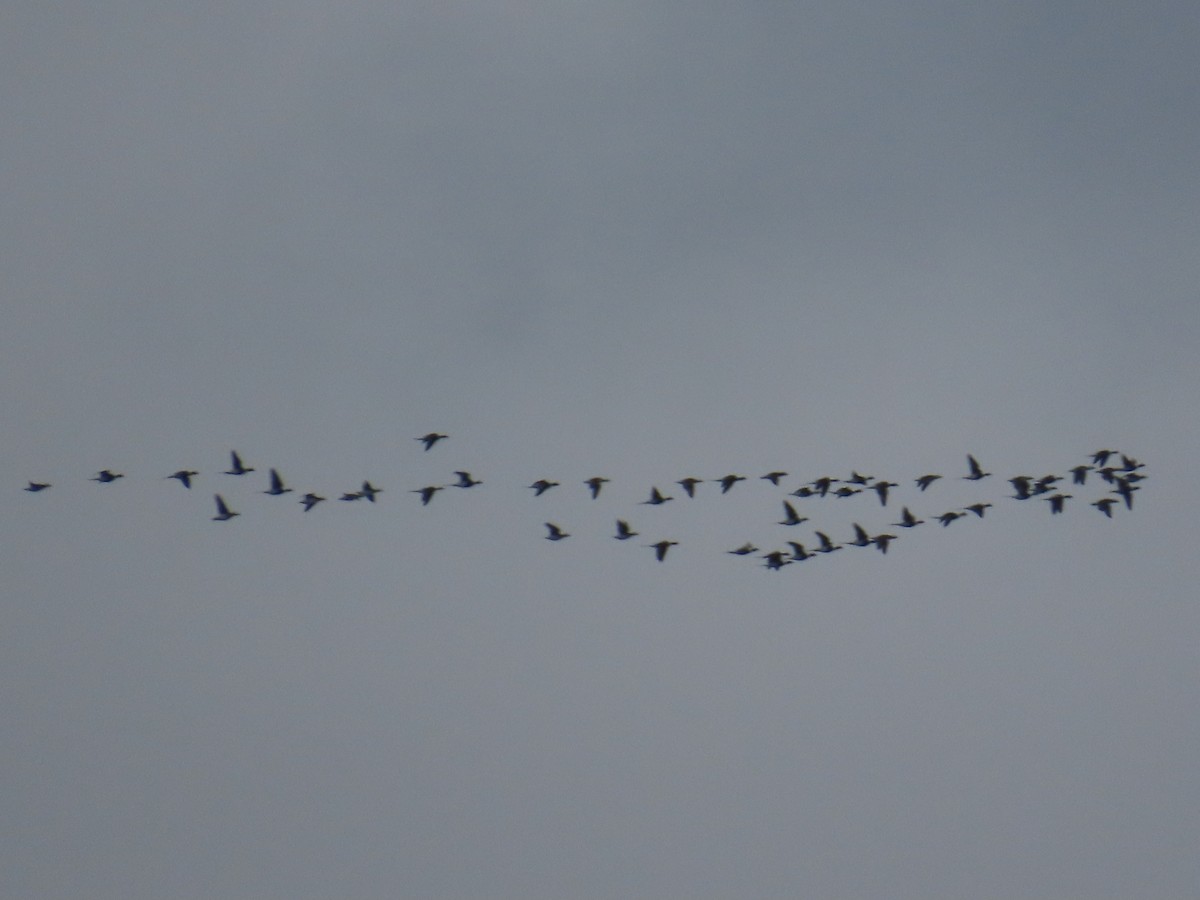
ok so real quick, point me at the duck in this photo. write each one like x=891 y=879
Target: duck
x=309 y=500
x=427 y=493
x=846 y=491
x=774 y=477
x=823 y=484
x=827 y=546
x=432 y=438
x=624 y=532
x=776 y=560
x=882 y=540
x=855 y=478
x=689 y=485
x=277 y=487
x=541 y=486
x=908 y=520
x=1105 y=505
x=236 y=466
x=656 y=498
x=926 y=480
x=947 y=517
x=976 y=472
x=729 y=481
x=224 y=513
x=1100 y=457
x=595 y=483
x=881 y=488
x=465 y=480
x=977 y=508
x=1079 y=474
x=184 y=477
x=660 y=549
x=1057 y=501
x=104 y=476
x=791 y=517
x=351 y=495
x=555 y=533
x=799 y=554
x=861 y=538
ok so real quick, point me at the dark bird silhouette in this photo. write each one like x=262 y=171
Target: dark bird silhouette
x=432 y=438
x=1079 y=474
x=977 y=508
x=827 y=546
x=745 y=550
x=881 y=488
x=224 y=513
x=1057 y=502
x=184 y=477
x=908 y=520
x=948 y=517
x=774 y=477
x=351 y=495
x=776 y=560
x=791 y=517
x=823 y=484
x=656 y=498
x=277 y=487
x=555 y=533
x=1105 y=505
x=855 y=478
x=661 y=548
x=976 y=471
x=369 y=491
x=799 y=554
x=1133 y=476
x=235 y=465
x=689 y=485
x=882 y=540
x=729 y=481
x=861 y=538
x=104 y=476
x=595 y=483
x=1022 y=484
x=541 y=486
x=846 y=491
x=803 y=491
x=1128 y=463
x=427 y=493
x=309 y=500
x=1109 y=474
x=465 y=480
x=926 y=480
x=35 y=486
x=1125 y=490
x=624 y=532
x=1100 y=457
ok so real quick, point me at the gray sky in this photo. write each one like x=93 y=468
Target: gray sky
x=642 y=240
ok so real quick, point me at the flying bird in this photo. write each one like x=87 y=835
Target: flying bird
x=799 y=554
x=369 y=491
x=35 y=486
x=926 y=480
x=541 y=486
x=773 y=477
x=882 y=540
x=1105 y=505
x=791 y=517
x=745 y=550
x=624 y=532
x=861 y=538
x=803 y=491
x=309 y=500
x=235 y=465
x=977 y=508
x=729 y=481
x=465 y=480
x=1100 y=457
x=656 y=498
x=660 y=549
x=776 y=560
x=823 y=484
x=827 y=546
x=351 y=495
x=184 y=477
x=430 y=439
x=1125 y=489
x=689 y=485
x=846 y=491
x=947 y=517
x=555 y=533
x=594 y=484
x=881 y=488
x=104 y=476
x=855 y=478
x=427 y=493
x=976 y=472
x=277 y=487
x=1022 y=484
x=1079 y=474
x=1057 y=501
x=224 y=513
x=908 y=520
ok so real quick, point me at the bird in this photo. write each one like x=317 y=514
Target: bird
x=791 y=517
x=594 y=484
x=35 y=486
x=1057 y=501
x=224 y=513
x=235 y=466
x=745 y=550
x=104 y=476
x=827 y=546
x=976 y=471
x=881 y=488
x=351 y=495
x=799 y=554
x=908 y=520
x=689 y=485
x=310 y=500
x=1128 y=463
x=846 y=491
x=277 y=487
x=729 y=481
x=427 y=493
x=1079 y=474
x=1022 y=484
x=184 y=477
x=541 y=486
x=773 y=477
x=465 y=480
x=656 y=498
x=624 y=532
x=1100 y=457
x=1125 y=490
x=882 y=540
x=430 y=439
x=803 y=491
x=855 y=478
x=861 y=538
x=776 y=560
x=823 y=484
x=660 y=549
x=947 y=517
x=555 y=533
x=1105 y=505
x=369 y=491
x=977 y=508
x=926 y=480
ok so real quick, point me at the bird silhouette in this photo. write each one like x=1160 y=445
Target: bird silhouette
x=351 y=495
x=1022 y=484
x=656 y=498
x=1128 y=463
x=773 y=477
x=799 y=554
x=1057 y=501
x=236 y=466
x=1079 y=474
x=745 y=550
x=776 y=560
x=104 y=476
x=1125 y=490
x=803 y=491
x=541 y=486
x=881 y=488
x=35 y=486
x=1105 y=505
x=791 y=517
x=823 y=484
x=861 y=538
x=977 y=508
x=432 y=438
x=465 y=480
x=427 y=493
x=729 y=481
x=624 y=532
x=976 y=472
x=369 y=491
x=855 y=478
x=689 y=485
x=184 y=477
x=555 y=533
x=846 y=491
x=1100 y=457
x=827 y=546
x=947 y=517
x=926 y=480
x=310 y=500
x=277 y=488
x=882 y=540
x=224 y=513
x=908 y=520
x=661 y=548
x=595 y=483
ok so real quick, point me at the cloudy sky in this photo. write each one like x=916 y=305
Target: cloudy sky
x=640 y=240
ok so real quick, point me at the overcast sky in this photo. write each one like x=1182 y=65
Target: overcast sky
x=644 y=240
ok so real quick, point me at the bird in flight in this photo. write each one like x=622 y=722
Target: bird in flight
x=555 y=533
x=541 y=486
x=1105 y=505
x=310 y=500
x=427 y=493
x=907 y=519
x=184 y=477
x=774 y=477
x=976 y=472
x=1125 y=489
x=745 y=550
x=881 y=488
x=827 y=546
x=35 y=486
x=689 y=485
x=656 y=498
x=465 y=480
x=1057 y=501
x=660 y=549
x=791 y=517
x=882 y=540
x=595 y=483
x=799 y=554
x=624 y=532
x=977 y=508
x=104 y=476
x=1079 y=474
x=277 y=487
x=351 y=495
x=432 y=438
x=926 y=480
x=947 y=517
x=729 y=481
x=235 y=465
x=861 y=538
x=369 y=491
x=776 y=560
x=224 y=513
x=1022 y=484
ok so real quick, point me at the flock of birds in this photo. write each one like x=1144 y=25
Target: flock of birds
x=1119 y=473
